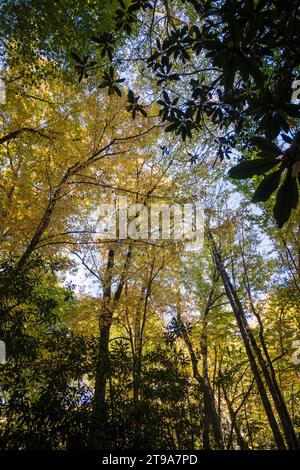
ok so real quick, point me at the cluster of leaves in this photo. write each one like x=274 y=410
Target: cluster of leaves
x=250 y=52
x=83 y=66
x=35 y=30
x=248 y=70
x=176 y=329
x=111 y=82
x=126 y=15
x=46 y=398
x=162 y=408
x=107 y=42
x=134 y=107
x=45 y=403
x=286 y=162
x=250 y=86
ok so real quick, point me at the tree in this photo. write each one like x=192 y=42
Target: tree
x=145 y=342
x=45 y=403
x=230 y=71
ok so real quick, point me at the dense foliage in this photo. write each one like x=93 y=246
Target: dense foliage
x=145 y=342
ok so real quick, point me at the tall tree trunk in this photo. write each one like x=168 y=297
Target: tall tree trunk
x=269 y=373
x=209 y=400
x=137 y=349
x=99 y=438
x=234 y=425
x=244 y=330
x=272 y=384
x=139 y=326
x=204 y=352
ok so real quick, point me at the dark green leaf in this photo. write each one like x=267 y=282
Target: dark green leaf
x=249 y=168
x=268 y=185
x=267 y=147
x=286 y=200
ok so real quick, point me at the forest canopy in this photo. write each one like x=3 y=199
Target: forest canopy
x=134 y=338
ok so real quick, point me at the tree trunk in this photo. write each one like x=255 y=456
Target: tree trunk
x=244 y=330
x=269 y=374
x=204 y=352
x=209 y=400
x=99 y=438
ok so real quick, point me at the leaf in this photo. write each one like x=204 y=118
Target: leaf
x=255 y=72
x=166 y=97
x=267 y=186
x=97 y=39
x=286 y=200
x=130 y=96
x=78 y=59
x=122 y=4
x=118 y=91
x=93 y=63
x=229 y=72
x=296 y=169
x=249 y=168
x=270 y=124
x=143 y=111
x=268 y=148
x=287 y=139
x=172 y=127
x=104 y=84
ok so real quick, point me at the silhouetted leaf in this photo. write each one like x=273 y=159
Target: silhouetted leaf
x=249 y=168
x=268 y=185
x=267 y=147
x=286 y=200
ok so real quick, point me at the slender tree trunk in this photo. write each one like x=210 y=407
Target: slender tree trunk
x=99 y=438
x=204 y=352
x=139 y=326
x=280 y=405
x=244 y=330
x=137 y=349
x=233 y=415
x=209 y=400
x=269 y=374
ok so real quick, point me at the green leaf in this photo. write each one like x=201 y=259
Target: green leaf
x=166 y=97
x=270 y=124
x=172 y=127
x=117 y=90
x=249 y=168
x=229 y=72
x=267 y=186
x=130 y=96
x=267 y=147
x=287 y=139
x=286 y=200
x=255 y=72
x=97 y=39
x=142 y=111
